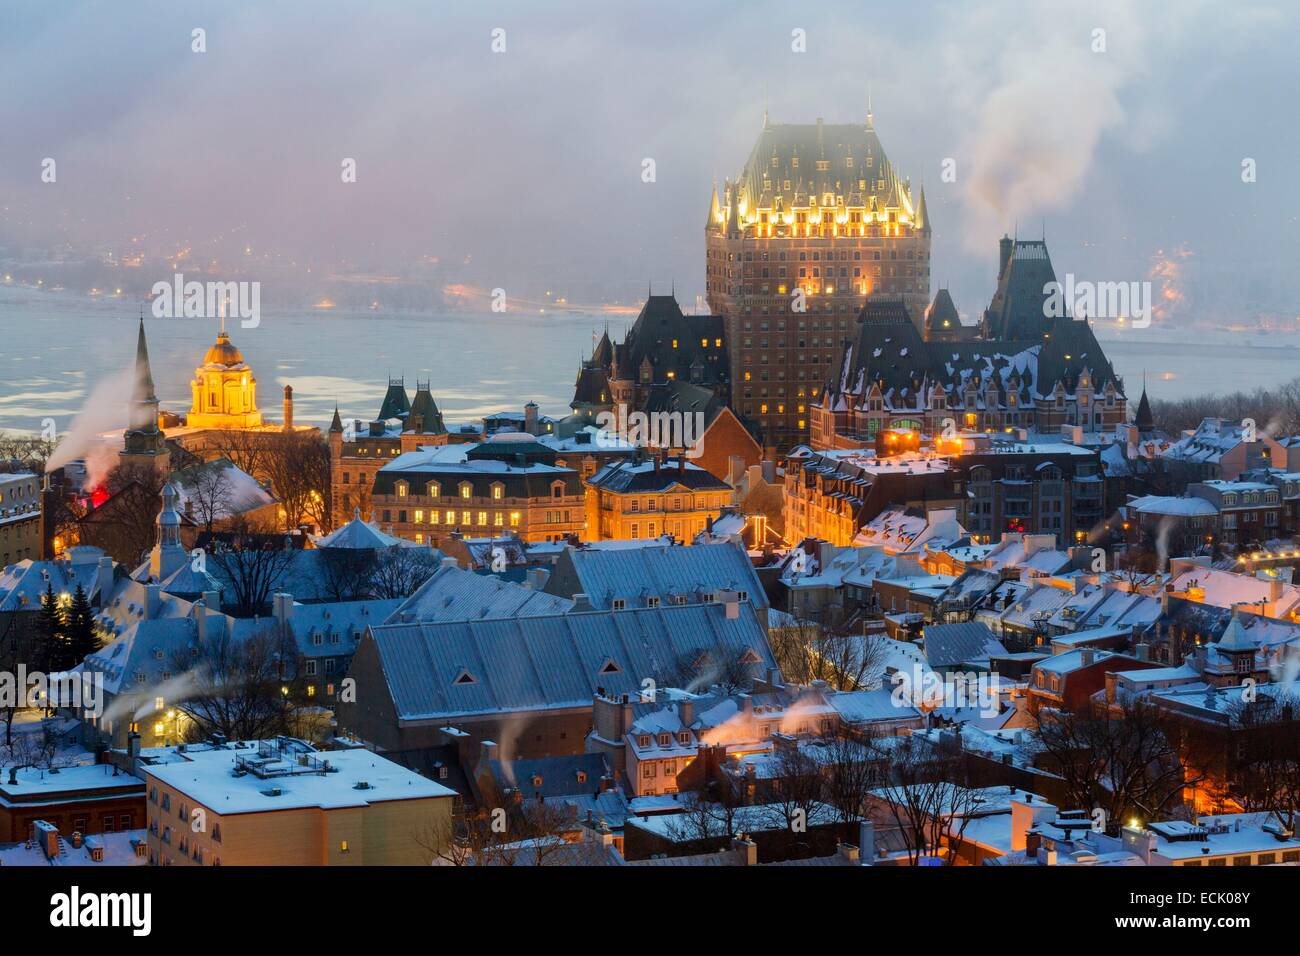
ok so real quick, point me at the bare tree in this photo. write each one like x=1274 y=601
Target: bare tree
x=1127 y=760
x=252 y=569
x=926 y=799
x=1267 y=777
x=298 y=464
x=399 y=570
x=19 y=452
x=244 y=688
x=853 y=766
x=125 y=525
x=807 y=651
x=347 y=574
x=533 y=833
x=212 y=495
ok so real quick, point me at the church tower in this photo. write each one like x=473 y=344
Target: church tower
x=144 y=442
x=224 y=389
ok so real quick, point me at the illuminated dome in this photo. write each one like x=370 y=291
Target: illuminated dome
x=223 y=352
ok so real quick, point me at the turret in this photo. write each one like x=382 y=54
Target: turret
x=288 y=408
x=168 y=555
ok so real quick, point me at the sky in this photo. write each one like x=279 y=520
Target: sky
x=522 y=169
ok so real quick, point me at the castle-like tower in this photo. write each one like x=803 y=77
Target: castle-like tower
x=144 y=442
x=224 y=389
x=817 y=220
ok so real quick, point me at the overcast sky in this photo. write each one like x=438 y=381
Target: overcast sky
x=523 y=169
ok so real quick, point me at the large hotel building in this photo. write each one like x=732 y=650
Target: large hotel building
x=817 y=219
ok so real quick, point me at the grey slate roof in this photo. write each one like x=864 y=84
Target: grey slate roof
x=438 y=671
x=636 y=573
x=947 y=645
x=454 y=594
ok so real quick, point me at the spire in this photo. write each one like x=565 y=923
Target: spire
x=922 y=212
x=715 y=210
x=337 y=424
x=1144 y=420
x=143 y=391
x=870 y=119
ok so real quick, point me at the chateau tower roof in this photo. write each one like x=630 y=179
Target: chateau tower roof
x=396 y=404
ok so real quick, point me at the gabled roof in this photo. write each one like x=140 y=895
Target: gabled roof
x=651 y=475
x=637 y=573
x=554 y=661
x=947 y=645
x=360 y=534
x=454 y=594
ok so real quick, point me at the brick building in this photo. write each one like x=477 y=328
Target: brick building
x=817 y=220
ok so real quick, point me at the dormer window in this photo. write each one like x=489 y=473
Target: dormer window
x=465 y=677
x=643 y=740
x=665 y=740
x=401 y=489
x=684 y=738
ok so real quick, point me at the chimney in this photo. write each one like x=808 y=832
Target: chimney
x=282 y=608
x=686 y=711
x=849 y=852
x=530 y=418
x=152 y=601
x=288 y=408
x=581 y=603
x=450 y=562
x=537 y=578
x=867 y=842
x=133 y=745
x=47 y=836
x=1143 y=651
x=1086 y=656
x=487 y=751
x=748 y=848
x=103 y=580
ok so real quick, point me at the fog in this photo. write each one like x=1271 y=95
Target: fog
x=522 y=169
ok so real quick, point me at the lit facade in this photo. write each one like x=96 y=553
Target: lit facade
x=224 y=389
x=631 y=500
x=20 y=517
x=817 y=220
x=1024 y=370
x=509 y=483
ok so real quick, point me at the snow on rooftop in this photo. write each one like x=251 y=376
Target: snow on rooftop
x=357 y=778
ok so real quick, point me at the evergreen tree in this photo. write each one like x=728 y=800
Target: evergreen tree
x=49 y=631
x=81 y=634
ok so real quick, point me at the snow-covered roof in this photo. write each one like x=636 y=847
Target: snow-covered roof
x=207 y=778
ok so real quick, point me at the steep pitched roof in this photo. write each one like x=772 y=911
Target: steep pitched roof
x=638 y=573
x=454 y=594
x=436 y=671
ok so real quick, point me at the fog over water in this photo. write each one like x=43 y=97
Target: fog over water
x=522 y=170
x=58 y=349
